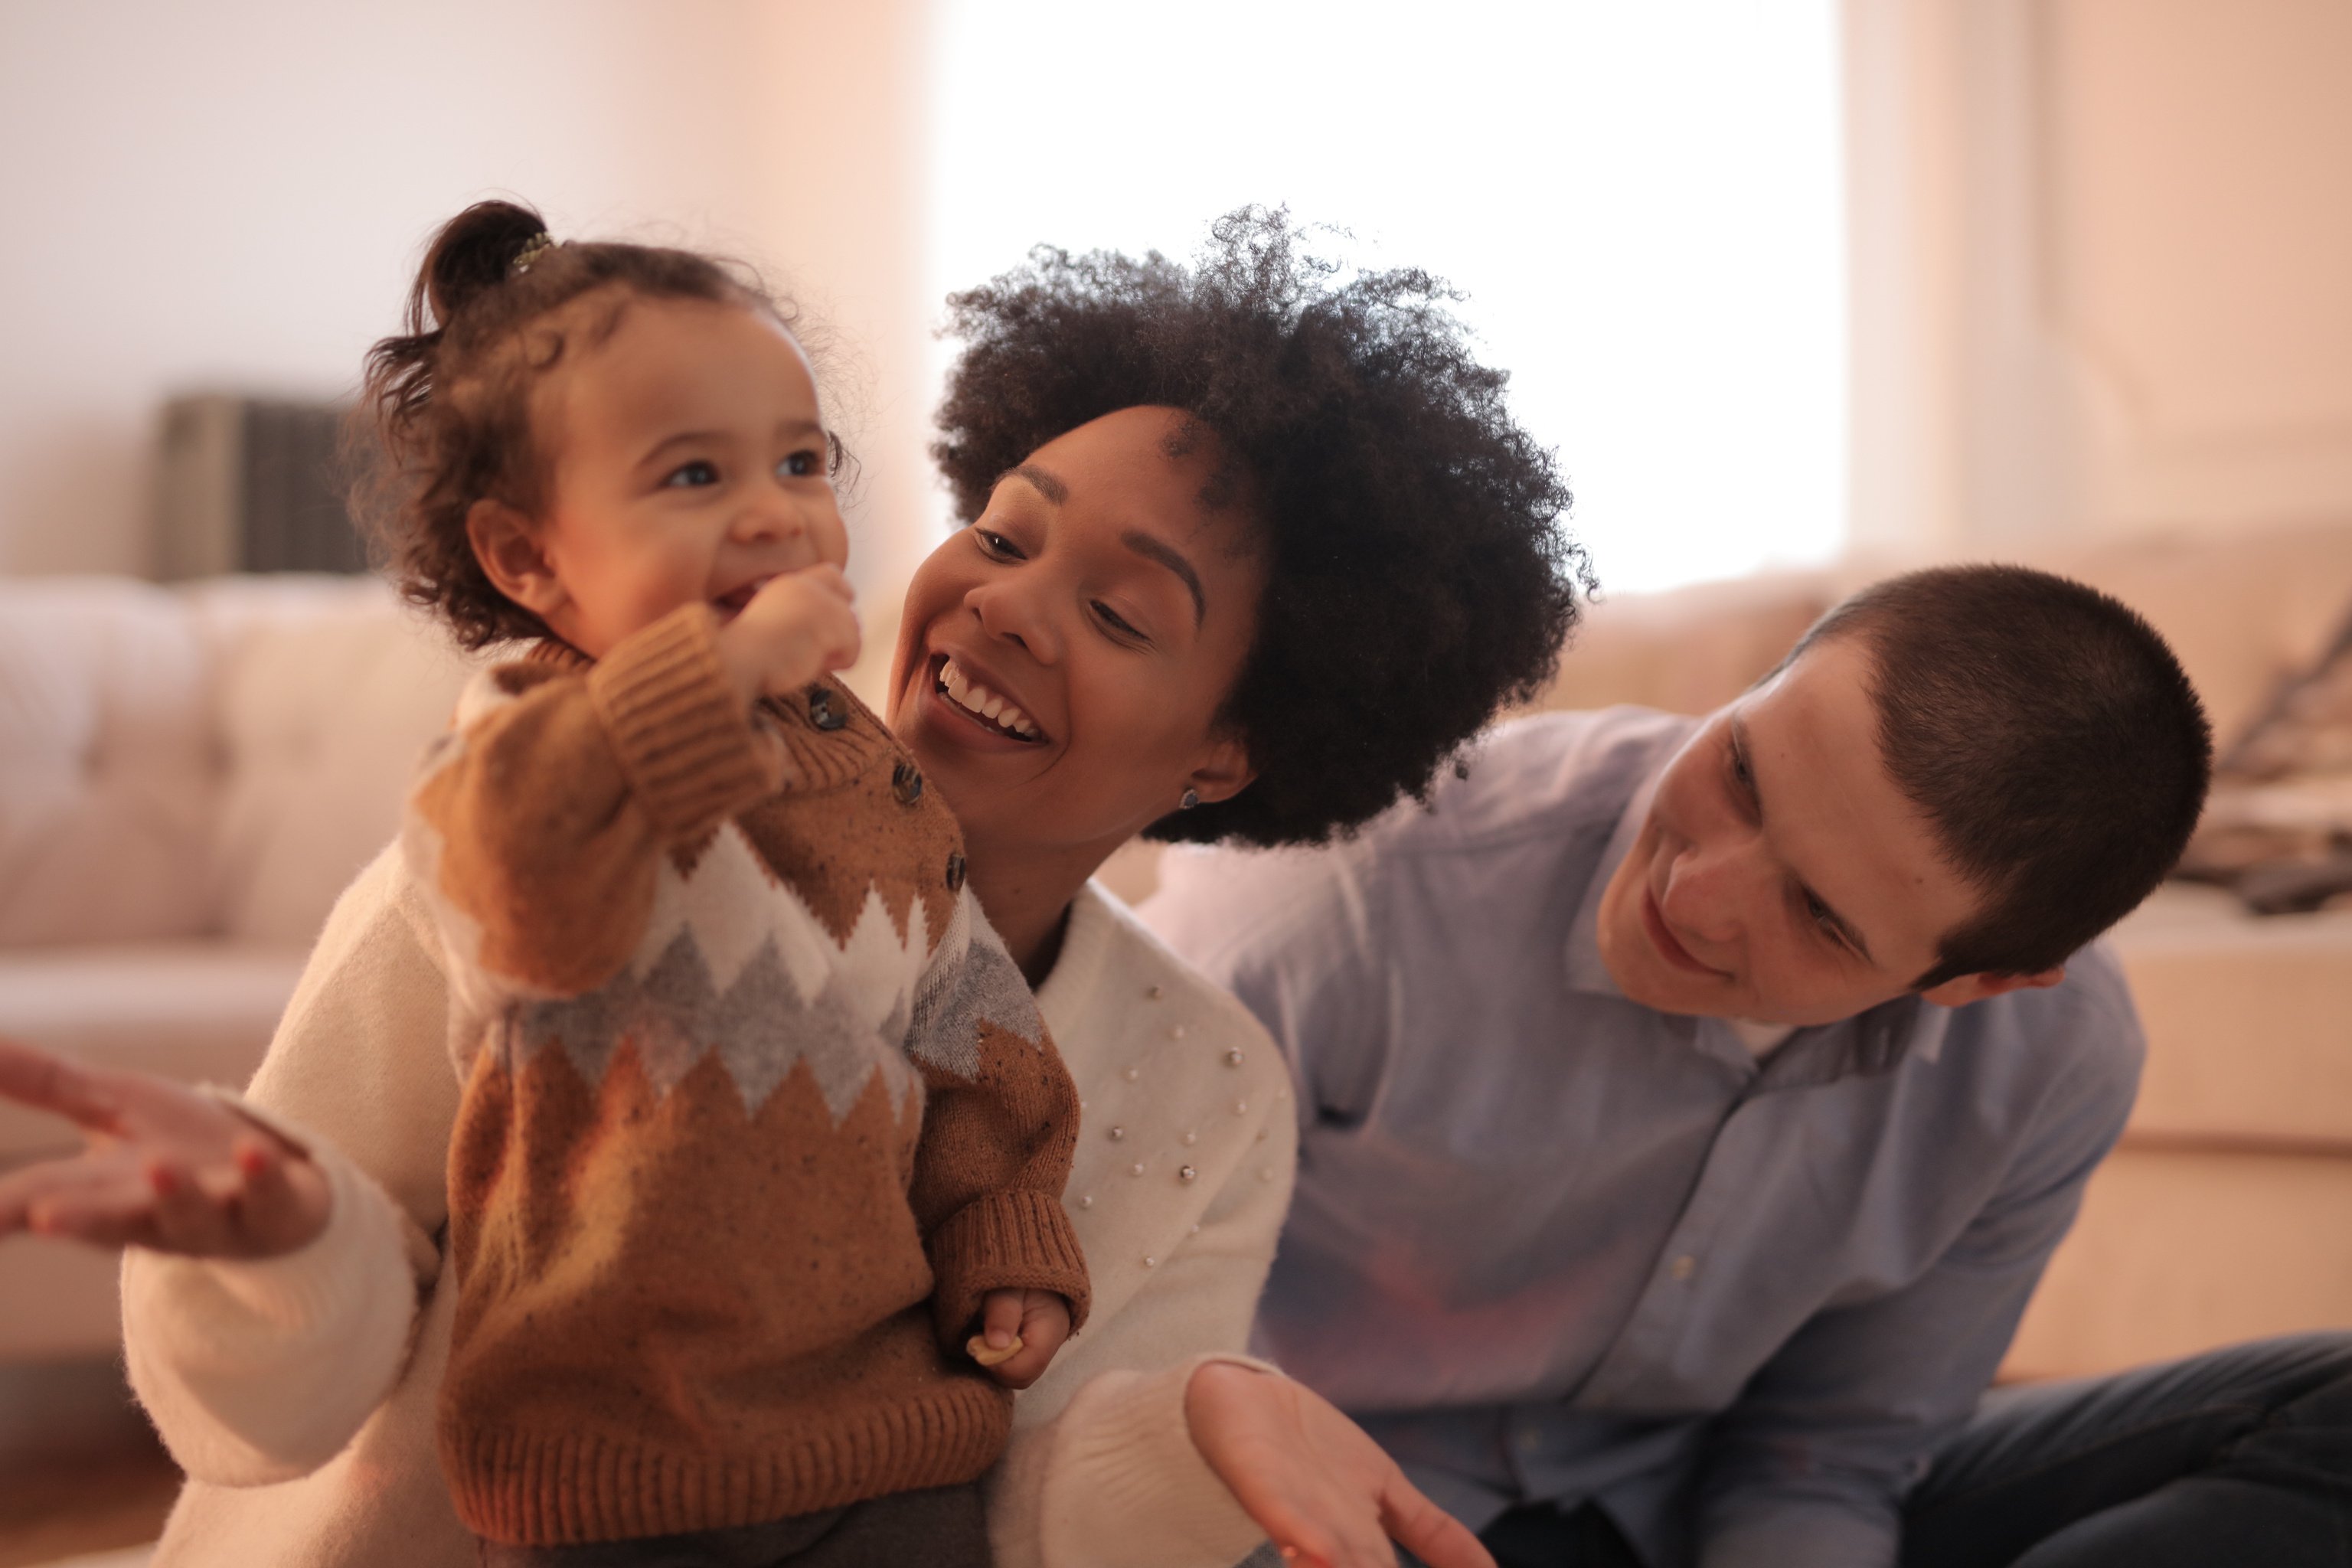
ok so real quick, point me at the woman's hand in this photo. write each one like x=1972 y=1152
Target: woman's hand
x=1318 y=1486
x=167 y=1168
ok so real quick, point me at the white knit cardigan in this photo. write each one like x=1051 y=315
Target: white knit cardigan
x=298 y=1393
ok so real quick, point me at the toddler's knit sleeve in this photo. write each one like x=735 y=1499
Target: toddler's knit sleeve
x=537 y=825
x=998 y=1131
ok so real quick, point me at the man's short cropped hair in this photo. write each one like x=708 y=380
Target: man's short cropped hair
x=2049 y=736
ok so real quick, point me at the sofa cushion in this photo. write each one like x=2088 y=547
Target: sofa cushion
x=1687 y=651
x=2248 y=611
x=2177 y=1251
x=2245 y=1016
x=325 y=692
x=219 y=758
x=199 y=1011
x=110 y=780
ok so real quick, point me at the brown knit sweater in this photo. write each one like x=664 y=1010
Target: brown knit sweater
x=756 y=1106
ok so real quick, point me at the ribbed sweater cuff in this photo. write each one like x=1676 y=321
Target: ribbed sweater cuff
x=1015 y=1240
x=684 y=737
x=1131 y=1473
x=263 y=1370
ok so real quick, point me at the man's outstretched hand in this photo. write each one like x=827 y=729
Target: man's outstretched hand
x=166 y=1167
x=1315 y=1482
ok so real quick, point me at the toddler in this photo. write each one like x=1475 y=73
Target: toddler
x=761 y=1141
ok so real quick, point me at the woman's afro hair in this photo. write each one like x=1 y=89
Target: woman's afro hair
x=1418 y=576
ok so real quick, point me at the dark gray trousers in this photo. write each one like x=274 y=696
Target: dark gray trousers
x=2236 y=1458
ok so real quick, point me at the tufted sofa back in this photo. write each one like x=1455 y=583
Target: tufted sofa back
x=214 y=759
x=2246 y=611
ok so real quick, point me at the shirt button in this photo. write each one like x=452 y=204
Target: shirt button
x=907 y=783
x=825 y=713
x=1682 y=1267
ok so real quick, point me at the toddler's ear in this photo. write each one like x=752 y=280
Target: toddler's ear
x=510 y=556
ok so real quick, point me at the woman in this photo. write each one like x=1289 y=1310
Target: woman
x=1254 y=552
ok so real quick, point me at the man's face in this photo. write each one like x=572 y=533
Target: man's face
x=1781 y=875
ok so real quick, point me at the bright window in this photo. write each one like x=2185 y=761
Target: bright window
x=1642 y=200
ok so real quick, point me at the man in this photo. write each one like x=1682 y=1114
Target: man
x=1688 y=1108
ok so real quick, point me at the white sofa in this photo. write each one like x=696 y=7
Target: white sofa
x=187 y=778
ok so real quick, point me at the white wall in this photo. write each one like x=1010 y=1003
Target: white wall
x=1642 y=200
x=2102 y=267
x=235 y=195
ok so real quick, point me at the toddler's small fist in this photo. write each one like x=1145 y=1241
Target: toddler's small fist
x=799 y=625
x=1020 y=1331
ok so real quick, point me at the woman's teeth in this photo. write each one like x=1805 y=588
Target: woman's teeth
x=977 y=700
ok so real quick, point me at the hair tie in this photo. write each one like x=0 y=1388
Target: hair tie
x=539 y=245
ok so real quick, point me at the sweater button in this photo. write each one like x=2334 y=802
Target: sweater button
x=907 y=783
x=955 y=873
x=825 y=713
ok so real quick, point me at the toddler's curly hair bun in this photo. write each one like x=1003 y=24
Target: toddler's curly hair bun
x=444 y=418
x=474 y=253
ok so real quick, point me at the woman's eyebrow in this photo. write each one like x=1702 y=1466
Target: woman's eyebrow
x=1152 y=549
x=1051 y=486
x=1045 y=484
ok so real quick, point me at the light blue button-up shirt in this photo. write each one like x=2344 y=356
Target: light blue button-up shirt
x=1552 y=1245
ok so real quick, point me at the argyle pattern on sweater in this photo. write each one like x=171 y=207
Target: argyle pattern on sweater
x=756 y=1106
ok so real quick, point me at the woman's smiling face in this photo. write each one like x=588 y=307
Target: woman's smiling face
x=1110 y=605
